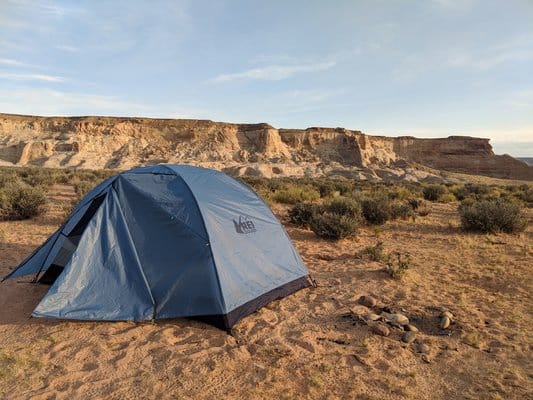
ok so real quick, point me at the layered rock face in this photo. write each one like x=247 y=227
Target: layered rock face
x=241 y=149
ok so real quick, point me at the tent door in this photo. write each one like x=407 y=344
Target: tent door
x=70 y=244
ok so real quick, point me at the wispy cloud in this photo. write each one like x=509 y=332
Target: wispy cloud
x=53 y=9
x=44 y=101
x=31 y=77
x=11 y=63
x=67 y=48
x=273 y=72
x=519 y=48
x=490 y=59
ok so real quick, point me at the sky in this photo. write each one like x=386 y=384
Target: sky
x=425 y=68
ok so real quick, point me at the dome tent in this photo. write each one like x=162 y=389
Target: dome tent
x=166 y=241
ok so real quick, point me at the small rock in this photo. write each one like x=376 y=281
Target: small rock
x=425 y=358
x=398 y=319
x=368 y=301
x=381 y=329
x=447 y=314
x=445 y=322
x=373 y=317
x=410 y=328
x=422 y=348
x=408 y=337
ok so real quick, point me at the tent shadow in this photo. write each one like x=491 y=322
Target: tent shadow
x=18 y=299
x=18 y=296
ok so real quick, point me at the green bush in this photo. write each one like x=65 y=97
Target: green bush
x=376 y=253
x=7 y=177
x=376 y=210
x=402 y=210
x=83 y=188
x=475 y=190
x=433 y=192
x=398 y=264
x=447 y=198
x=492 y=216
x=296 y=194
x=333 y=226
x=18 y=200
x=344 y=206
x=525 y=194
x=414 y=203
x=300 y=214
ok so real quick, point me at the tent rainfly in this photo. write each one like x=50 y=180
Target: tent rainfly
x=166 y=241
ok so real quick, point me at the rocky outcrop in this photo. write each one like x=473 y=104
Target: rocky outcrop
x=242 y=149
x=462 y=154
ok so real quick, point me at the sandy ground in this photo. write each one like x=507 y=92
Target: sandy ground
x=308 y=345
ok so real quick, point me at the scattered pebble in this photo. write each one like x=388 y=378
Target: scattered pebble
x=422 y=348
x=408 y=337
x=445 y=322
x=373 y=317
x=398 y=319
x=425 y=358
x=368 y=301
x=447 y=314
x=380 y=329
x=411 y=328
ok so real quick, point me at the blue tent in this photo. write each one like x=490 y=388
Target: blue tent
x=166 y=241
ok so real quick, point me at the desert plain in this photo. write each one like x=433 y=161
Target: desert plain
x=313 y=344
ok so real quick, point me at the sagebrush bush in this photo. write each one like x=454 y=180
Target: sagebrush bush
x=447 y=198
x=401 y=210
x=331 y=226
x=18 y=200
x=344 y=206
x=495 y=215
x=296 y=194
x=398 y=264
x=375 y=253
x=83 y=188
x=300 y=214
x=433 y=192
x=525 y=194
x=376 y=210
x=414 y=203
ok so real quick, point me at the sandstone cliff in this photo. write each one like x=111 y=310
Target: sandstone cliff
x=242 y=149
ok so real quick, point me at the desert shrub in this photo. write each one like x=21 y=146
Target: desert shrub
x=375 y=253
x=344 y=206
x=331 y=226
x=401 y=210
x=477 y=189
x=404 y=193
x=18 y=200
x=83 y=188
x=414 y=203
x=447 y=198
x=296 y=194
x=423 y=211
x=525 y=194
x=492 y=216
x=301 y=213
x=398 y=264
x=7 y=177
x=376 y=210
x=35 y=176
x=343 y=187
x=326 y=189
x=433 y=192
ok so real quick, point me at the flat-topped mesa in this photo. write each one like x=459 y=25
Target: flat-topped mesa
x=258 y=149
x=461 y=154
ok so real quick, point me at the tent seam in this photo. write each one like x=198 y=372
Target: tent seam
x=136 y=255
x=224 y=311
